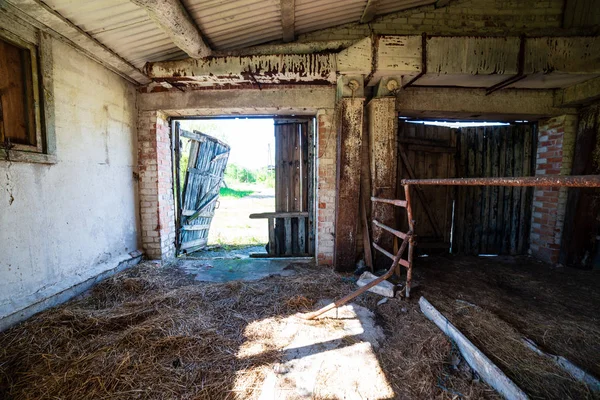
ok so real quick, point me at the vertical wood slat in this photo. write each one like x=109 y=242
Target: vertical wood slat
x=288 y=236
x=272 y=245
x=311 y=206
x=526 y=193
x=518 y=140
x=301 y=235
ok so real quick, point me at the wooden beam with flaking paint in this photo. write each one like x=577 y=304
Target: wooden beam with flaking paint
x=172 y=17
x=473 y=104
x=348 y=169
x=319 y=68
x=288 y=19
x=370 y=11
x=43 y=17
x=581 y=94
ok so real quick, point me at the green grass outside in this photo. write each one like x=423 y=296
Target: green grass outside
x=238 y=194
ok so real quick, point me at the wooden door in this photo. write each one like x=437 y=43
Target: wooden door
x=494 y=219
x=294 y=185
x=207 y=161
x=425 y=152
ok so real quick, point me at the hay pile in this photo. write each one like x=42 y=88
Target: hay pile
x=538 y=376
x=156 y=334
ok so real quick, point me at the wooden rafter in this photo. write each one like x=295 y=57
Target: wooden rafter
x=288 y=19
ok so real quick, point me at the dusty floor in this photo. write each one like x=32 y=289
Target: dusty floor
x=158 y=333
x=496 y=301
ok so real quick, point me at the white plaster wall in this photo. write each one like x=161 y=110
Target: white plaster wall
x=72 y=220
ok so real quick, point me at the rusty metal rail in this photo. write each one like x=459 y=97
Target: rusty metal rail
x=556 y=181
x=369 y=285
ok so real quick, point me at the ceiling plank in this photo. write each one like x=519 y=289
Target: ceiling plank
x=370 y=11
x=288 y=19
x=45 y=16
x=172 y=17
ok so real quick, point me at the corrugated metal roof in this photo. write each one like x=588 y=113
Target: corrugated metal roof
x=121 y=26
x=127 y=30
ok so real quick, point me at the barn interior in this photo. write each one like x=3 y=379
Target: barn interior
x=435 y=230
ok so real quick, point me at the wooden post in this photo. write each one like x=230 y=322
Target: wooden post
x=411 y=243
x=383 y=130
x=347 y=216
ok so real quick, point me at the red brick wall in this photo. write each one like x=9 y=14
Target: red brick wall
x=326 y=162
x=556 y=144
x=156 y=187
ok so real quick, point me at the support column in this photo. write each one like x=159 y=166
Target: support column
x=157 y=207
x=326 y=194
x=383 y=132
x=347 y=215
x=556 y=145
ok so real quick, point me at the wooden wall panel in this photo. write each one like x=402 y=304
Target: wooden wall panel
x=494 y=220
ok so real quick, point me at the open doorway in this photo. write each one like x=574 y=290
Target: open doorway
x=244 y=187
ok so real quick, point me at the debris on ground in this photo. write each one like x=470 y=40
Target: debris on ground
x=383 y=288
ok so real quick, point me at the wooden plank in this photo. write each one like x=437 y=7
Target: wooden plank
x=399 y=203
x=459 y=213
x=366 y=235
x=386 y=253
x=310 y=186
x=294 y=214
x=507 y=192
x=301 y=236
x=470 y=217
x=478 y=167
x=518 y=141
x=421 y=142
x=431 y=149
x=488 y=371
x=501 y=189
x=487 y=170
x=386 y=228
x=288 y=235
x=194 y=243
x=494 y=156
x=271 y=236
x=195 y=227
x=526 y=193
x=348 y=168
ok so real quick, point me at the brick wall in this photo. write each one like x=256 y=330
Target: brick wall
x=326 y=173
x=556 y=145
x=156 y=186
x=460 y=17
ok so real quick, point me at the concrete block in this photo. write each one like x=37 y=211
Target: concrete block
x=384 y=288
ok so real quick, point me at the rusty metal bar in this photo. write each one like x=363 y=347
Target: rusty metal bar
x=411 y=227
x=363 y=289
x=402 y=262
x=557 y=181
x=399 y=203
x=393 y=231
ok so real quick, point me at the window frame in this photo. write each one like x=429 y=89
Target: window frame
x=39 y=44
x=34 y=91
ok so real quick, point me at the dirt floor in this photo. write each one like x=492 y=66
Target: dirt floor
x=156 y=333
x=496 y=301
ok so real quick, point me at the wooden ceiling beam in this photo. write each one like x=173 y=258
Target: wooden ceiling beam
x=172 y=17
x=370 y=11
x=288 y=19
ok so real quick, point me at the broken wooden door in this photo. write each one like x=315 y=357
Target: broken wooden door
x=206 y=166
x=426 y=152
x=292 y=231
x=494 y=219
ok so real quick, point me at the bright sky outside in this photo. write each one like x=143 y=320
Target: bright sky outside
x=249 y=138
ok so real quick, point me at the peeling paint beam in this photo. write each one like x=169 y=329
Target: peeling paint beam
x=288 y=19
x=370 y=11
x=172 y=17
